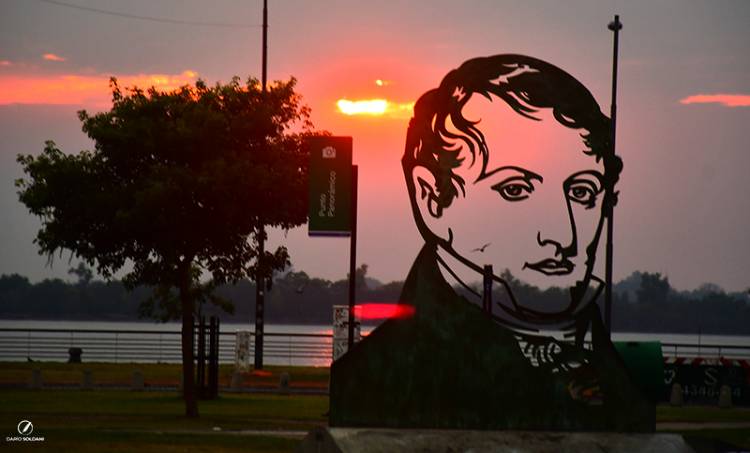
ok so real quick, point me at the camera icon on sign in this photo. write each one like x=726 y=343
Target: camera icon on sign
x=329 y=152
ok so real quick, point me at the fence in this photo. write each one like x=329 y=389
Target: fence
x=706 y=351
x=152 y=346
x=279 y=348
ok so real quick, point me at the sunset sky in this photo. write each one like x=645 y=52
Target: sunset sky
x=684 y=105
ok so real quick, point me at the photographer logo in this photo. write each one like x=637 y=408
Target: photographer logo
x=24 y=428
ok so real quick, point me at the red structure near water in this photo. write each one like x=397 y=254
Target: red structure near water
x=383 y=311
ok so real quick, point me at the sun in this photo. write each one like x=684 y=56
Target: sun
x=364 y=107
x=375 y=107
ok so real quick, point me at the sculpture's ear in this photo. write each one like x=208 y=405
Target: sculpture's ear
x=427 y=204
x=426 y=193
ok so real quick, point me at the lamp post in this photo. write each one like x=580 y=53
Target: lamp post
x=615 y=26
x=259 y=277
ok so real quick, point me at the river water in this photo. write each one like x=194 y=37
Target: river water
x=686 y=338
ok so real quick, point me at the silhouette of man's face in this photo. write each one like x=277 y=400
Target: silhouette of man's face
x=538 y=205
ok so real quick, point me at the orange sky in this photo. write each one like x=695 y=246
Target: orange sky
x=683 y=105
x=79 y=89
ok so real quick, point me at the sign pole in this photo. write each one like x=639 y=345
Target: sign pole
x=615 y=26
x=333 y=213
x=353 y=258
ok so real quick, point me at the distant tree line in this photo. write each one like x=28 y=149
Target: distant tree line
x=654 y=306
x=643 y=302
x=294 y=298
x=646 y=302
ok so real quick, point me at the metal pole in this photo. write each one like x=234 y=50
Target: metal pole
x=213 y=363
x=615 y=26
x=487 y=287
x=353 y=258
x=265 y=43
x=259 y=277
x=259 y=302
x=201 y=356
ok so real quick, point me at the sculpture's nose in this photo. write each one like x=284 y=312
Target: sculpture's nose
x=558 y=230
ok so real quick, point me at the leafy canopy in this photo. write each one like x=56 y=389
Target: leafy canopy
x=180 y=179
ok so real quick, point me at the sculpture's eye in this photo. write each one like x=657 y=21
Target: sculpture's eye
x=581 y=194
x=583 y=188
x=514 y=189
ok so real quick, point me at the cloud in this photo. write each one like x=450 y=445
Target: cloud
x=52 y=57
x=727 y=100
x=5 y=63
x=81 y=89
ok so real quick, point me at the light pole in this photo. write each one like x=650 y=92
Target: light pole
x=259 y=277
x=615 y=26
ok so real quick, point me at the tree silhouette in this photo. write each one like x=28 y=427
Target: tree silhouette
x=654 y=289
x=83 y=273
x=180 y=184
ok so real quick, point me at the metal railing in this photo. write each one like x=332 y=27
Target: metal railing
x=18 y=344
x=706 y=351
x=152 y=346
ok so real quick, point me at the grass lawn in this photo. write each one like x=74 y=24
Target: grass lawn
x=665 y=413
x=122 y=420
x=60 y=373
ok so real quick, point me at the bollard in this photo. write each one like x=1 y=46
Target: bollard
x=237 y=379
x=74 y=355
x=137 y=383
x=36 y=379
x=675 y=399
x=725 y=396
x=88 y=380
x=284 y=382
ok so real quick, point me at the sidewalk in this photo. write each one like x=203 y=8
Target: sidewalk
x=692 y=426
x=293 y=390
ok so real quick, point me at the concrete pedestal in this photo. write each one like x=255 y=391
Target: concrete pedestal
x=368 y=440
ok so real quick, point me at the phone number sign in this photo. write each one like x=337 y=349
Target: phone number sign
x=702 y=383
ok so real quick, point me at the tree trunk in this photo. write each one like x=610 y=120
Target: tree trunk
x=188 y=368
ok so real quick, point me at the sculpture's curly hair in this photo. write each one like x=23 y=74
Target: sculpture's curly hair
x=526 y=84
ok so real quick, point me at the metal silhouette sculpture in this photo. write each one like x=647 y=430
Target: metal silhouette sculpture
x=442 y=139
x=451 y=365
